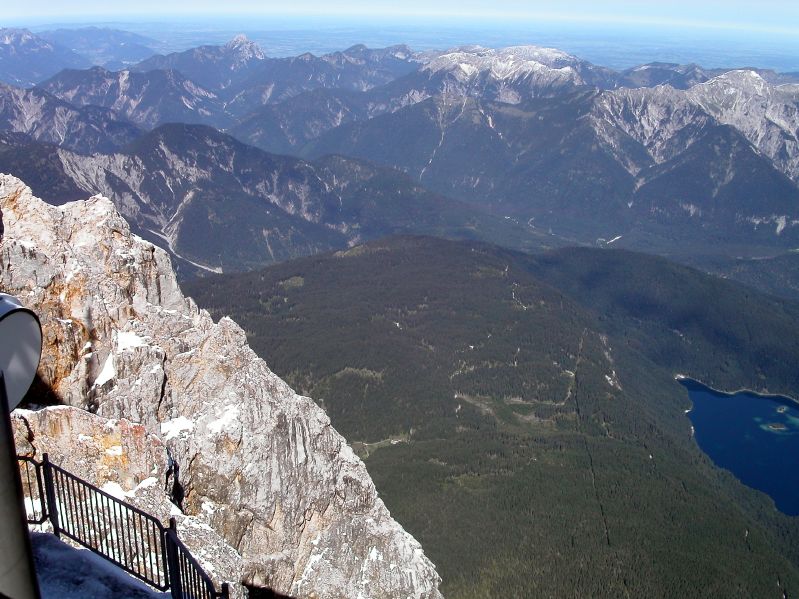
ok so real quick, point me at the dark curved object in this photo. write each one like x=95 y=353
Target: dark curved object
x=17 y=571
x=262 y=593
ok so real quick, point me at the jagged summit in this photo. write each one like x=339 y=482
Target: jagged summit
x=45 y=118
x=238 y=40
x=245 y=48
x=766 y=114
x=147 y=99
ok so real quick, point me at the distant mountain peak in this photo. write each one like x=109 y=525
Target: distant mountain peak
x=747 y=79
x=544 y=55
x=27 y=58
x=238 y=40
x=506 y=64
x=360 y=54
x=13 y=35
x=513 y=57
x=726 y=89
x=401 y=51
x=245 y=48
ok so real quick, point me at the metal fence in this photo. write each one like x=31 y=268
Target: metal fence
x=33 y=487
x=125 y=535
x=184 y=571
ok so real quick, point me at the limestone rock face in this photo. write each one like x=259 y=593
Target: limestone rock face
x=125 y=461
x=260 y=463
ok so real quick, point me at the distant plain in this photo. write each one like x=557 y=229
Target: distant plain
x=617 y=47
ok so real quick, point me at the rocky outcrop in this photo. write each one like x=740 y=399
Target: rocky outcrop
x=261 y=464
x=125 y=461
x=767 y=115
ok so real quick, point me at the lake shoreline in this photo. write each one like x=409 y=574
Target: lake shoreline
x=774 y=396
x=749 y=434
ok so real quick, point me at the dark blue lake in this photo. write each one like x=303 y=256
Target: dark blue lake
x=754 y=437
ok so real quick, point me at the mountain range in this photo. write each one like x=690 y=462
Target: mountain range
x=673 y=159
x=45 y=118
x=589 y=164
x=111 y=48
x=26 y=59
x=217 y=204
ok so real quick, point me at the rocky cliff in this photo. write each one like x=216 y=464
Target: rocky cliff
x=124 y=460
x=260 y=464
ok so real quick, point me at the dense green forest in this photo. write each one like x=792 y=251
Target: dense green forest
x=519 y=414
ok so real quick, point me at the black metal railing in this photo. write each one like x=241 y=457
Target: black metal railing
x=31 y=473
x=122 y=533
x=185 y=573
x=118 y=531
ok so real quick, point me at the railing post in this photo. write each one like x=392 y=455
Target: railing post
x=124 y=545
x=49 y=491
x=173 y=560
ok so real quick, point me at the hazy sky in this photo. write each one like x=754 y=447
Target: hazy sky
x=764 y=15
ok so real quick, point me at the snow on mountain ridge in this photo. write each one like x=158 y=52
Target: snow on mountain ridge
x=507 y=75
x=20 y=36
x=742 y=81
x=504 y=63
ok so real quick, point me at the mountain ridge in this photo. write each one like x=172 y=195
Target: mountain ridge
x=217 y=203
x=46 y=118
x=26 y=58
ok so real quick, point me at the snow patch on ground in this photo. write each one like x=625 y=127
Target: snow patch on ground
x=114 y=450
x=147 y=483
x=691 y=209
x=65 y=572
x=309 y=566
x=115 y=490
x=779 y=222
